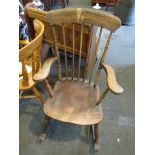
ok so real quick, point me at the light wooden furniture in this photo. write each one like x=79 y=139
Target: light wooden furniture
x=30 y=61
x=77 y=99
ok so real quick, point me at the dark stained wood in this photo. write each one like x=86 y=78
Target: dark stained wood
x=96 y=134
x=48 y=88
x=32 y=13
x=95 y=55
x=106 y=2
x=88 y=52
x=44 y=129
x=74 y=102
x=81 y=40
x=73 y=51
x=64 y=41
x=77 y=99
x=84 y=15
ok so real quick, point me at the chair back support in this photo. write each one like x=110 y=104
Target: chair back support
x=31 y=13
x=81 y=17
x=31 y=53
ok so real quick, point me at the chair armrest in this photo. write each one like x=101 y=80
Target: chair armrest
x=24 y=42
x=113 y=86
x=45 y=70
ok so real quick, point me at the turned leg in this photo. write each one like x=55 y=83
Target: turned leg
x=37 y=93
x=48 y=88
x=50 y=81
x=96 y=140
x=44 y=130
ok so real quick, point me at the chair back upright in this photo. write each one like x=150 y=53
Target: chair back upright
x=32 y=13
x=81 y=17
x=30 y=54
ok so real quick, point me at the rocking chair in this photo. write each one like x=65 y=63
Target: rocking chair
x=76 y=98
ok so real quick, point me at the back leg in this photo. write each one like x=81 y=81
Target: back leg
x=44 y=130
x=96 y=135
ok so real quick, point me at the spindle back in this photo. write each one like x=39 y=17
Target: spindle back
x=32 y=13
x=30 y=54
x=81 y=17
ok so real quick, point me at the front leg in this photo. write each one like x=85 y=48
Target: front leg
x=38 y=94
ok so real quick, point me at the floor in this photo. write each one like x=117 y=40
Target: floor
x=117 y=130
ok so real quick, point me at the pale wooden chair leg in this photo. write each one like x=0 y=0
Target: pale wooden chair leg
x=39 y=96
x=96 y=140
x=44 y=130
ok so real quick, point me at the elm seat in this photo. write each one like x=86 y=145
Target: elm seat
x=74 y=102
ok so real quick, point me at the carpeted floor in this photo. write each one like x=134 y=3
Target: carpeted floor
x=117 y=130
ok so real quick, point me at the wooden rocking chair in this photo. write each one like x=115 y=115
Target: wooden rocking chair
x=76 y=98
x=30 y=61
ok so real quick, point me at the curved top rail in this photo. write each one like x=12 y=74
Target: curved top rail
x=27 y=50
x=84 y=15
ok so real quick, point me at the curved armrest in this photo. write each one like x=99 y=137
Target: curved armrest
x=111 y=80
x=24 y=42
x=44 y=72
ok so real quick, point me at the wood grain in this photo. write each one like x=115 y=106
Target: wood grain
x=73 y=30
x=24 y=42
x=111 y=80
x=74 y=102
x=32 y=13
x=84 y=15
x=45 y=70
x=81 y=40
x=30 y=54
